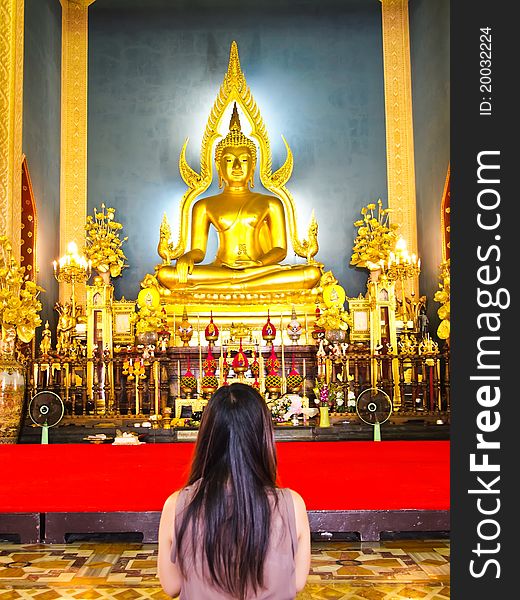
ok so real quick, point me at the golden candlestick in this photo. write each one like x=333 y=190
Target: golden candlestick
x=221 y=365
x=137 y=404
x=305 y=399
x=200 y=355
x=156 y=377
x=72 y=268
x=402 y=266
x=284 y=378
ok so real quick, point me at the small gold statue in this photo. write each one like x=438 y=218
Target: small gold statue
x=65 y=328
x=165 y=247
x=251 y=231
x=45 y=344
x=185 y=329
x=239 y=331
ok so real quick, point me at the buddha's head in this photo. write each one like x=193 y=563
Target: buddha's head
x=235 y=156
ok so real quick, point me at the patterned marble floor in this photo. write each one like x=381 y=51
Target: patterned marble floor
x=395 y=569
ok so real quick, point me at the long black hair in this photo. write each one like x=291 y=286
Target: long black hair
x=234 y=469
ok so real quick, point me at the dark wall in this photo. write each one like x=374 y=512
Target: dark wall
x=430 y=51
x=316 y=72
x=41 y=136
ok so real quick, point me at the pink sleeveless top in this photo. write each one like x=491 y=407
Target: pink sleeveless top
x=279 y=568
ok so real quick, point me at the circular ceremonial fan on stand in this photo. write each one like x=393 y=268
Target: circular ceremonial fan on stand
x=374 y=407
x=46 y=410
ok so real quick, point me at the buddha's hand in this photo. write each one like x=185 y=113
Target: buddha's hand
x=243 y=264
x=184 y=267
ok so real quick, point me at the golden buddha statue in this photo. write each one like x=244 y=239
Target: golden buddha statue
x=254 y=229
x=251 y=228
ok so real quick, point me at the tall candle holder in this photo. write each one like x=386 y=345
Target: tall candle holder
x=400 y=267
x=72 y=268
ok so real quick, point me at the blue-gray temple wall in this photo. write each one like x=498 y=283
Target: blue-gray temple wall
x=316 y=72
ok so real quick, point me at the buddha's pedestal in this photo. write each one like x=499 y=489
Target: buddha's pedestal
x=241 y=315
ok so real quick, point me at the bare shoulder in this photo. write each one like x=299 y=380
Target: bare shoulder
x=167 y=571
x=168 y=510
x=302 y=557
x=298 y=501
x=301 y=518
x=171 y=501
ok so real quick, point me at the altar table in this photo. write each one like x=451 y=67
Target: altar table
x=49 y=491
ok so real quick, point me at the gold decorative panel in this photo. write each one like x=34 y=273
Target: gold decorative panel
x=445 y=217
x=74 y=106
x=11 y=110
x=399 y=122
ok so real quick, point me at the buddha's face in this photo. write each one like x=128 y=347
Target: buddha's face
x=236 y=166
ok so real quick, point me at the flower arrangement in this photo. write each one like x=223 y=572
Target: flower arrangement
x=336 y=395
x=376 y=236
x=443 y=297
x=19 y=304
x=324 y=394
x=147 y=319
x=279 y=407
x=103 y=244
x=351 y=402
x=339 y=401
x=285 y=407
x=334 y=317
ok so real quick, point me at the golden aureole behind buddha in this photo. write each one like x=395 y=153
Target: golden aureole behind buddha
x=254 y=229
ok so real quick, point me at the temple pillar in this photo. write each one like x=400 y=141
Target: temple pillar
x=11 y=111
x=399 y=123
x=445 y=217
x=74 y=109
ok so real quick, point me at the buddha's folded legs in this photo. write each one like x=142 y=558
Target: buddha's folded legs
x=268 y=278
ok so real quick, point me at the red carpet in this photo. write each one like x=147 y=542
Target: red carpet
x=329 y=475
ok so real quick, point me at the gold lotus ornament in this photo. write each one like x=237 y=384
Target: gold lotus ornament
x=19 y=317
x=147 y=319
x=103 y=242
x=334 y=317
x=19 y=304
x=443 y=297
x=376 y=236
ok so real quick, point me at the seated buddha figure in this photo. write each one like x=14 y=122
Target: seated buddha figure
x=251 y=228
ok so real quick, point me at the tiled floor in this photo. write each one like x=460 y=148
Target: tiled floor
x=388 y=570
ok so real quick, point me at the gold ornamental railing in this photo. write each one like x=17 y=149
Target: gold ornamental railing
x=129 y=384
x=415 y=383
